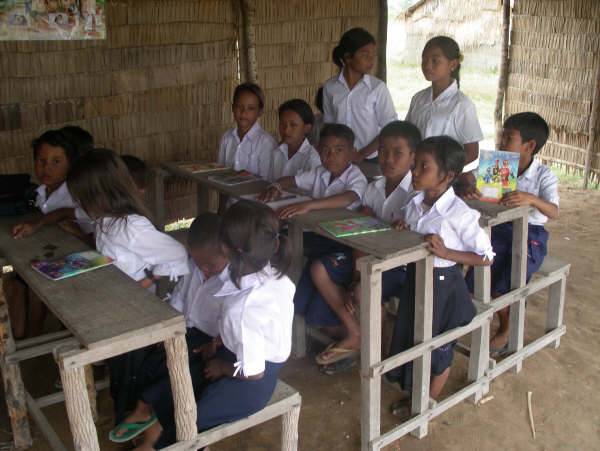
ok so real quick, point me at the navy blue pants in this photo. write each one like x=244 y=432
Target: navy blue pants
x=452 y=307
x=222 y=401
x=309 y=303
x=537 y=248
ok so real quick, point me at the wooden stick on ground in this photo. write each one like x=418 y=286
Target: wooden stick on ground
x=530 y=413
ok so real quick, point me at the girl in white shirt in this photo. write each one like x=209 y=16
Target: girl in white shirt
x=295 y=154
x=442 y=109
x=255 y=332
x=354 y=97
x=454 y=236
x=242 y=145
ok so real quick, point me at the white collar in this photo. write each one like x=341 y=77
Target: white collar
x=441 y=205
x=326 y=175
x=366 y=79
x=62 y=190
x=250 y=135
x=247 y=282
x=531 y=172
x=304 y=148
x=404 y=184
x=446 y=93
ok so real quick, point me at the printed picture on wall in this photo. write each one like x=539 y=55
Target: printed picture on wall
x=35 y=20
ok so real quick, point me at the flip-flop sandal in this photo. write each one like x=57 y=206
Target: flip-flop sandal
x=402 y=407
x=132 y=430
x=337 y=354
x=499 y=352
x=341 y=366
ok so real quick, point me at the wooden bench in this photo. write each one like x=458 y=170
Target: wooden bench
x=285 y=402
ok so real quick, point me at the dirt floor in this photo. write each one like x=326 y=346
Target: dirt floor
x=564 y=382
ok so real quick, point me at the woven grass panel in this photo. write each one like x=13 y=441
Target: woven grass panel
x=158 y=87
x=294 y=41
x=554 y=57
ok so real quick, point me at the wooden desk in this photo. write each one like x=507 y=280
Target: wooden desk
x=108 y=314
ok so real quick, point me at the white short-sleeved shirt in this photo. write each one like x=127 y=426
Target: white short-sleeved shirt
x=61 y=198
x=256 y=320
x=539 y=180
x=194 y=296
x=452 y=113
x=135 y=245
x=453 y=220
x=305 y=159
x=389 y=208
x=366 y=109
x=316 y=183
x=245 y=154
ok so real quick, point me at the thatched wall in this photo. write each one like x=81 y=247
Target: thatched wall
x=475 y=24
x=294 y=41
x=554 y=58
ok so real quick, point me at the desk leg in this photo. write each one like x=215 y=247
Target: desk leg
x=518 y=280
x=181 y=383
x=81 y=420
x=16 y=401
x=296 y=237
x=91 y=390
x=423 y=331
x=370 y=352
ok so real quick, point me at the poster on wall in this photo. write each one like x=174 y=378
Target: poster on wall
x=34 y=20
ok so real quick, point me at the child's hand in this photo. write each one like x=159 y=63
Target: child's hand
x=367 y=211
x=466 y=186
x=400 y=225
x=208 y=350
x=70 y=227
x=349 y=302
x=216 y=369
x=25 y=229
x=271 y=193
x=436 y=245
x=517 y=199
x=296 y=209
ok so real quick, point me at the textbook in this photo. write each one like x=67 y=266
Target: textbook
x=286 y=199
x=497 y=175
x=354 y=226
x=199 y=167
x=71 y=265
x=234 y=179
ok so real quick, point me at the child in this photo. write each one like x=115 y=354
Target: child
x=537 y=186
x=241 y=146
x=385 y=198
x=337 y=183
x=454 y=236
x=138 y=171
x=295 y=154
x=80 y=138
x=255 y=329
x=443 y=109
x=315 y=132
x=356 y=98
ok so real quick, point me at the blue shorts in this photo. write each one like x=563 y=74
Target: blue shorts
x=309 y=303
x=537 y=248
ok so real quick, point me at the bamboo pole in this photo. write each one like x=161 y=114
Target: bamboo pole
x=592 y=128
x=241 y=42
x=503 y=77
x=382 y=41
x=248 y=11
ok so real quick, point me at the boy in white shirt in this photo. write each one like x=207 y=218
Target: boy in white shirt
x=242 y=145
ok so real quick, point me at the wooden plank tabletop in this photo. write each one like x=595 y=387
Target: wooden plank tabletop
x=97 y=306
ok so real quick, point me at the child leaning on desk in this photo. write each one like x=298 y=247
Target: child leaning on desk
x=454 y=236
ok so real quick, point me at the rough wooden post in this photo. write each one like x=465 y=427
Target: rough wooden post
x=518 y=280
x=423 y=330
x=159 y=198
x=289 y=429
x=382 y=40
x=14 y=390
x=370 y=351
x=91 y=390
x=503 y=76
x=556 y=306
x=592 y=127
x=248 y=11
x=181 y=383
x=81 y=421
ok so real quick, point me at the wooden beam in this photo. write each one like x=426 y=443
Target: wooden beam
x=249 y=40
x=592 y=126
x=503 y=76
x=382 y=40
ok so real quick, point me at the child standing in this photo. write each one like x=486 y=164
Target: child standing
x=537 y=187
x=295 y=154
x=356 y=98
x=241 y=146
x=442 y=109
x=454 y=236
x=255 y=329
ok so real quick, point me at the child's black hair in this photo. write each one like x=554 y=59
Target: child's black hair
x=448 y=153
x=350 y=42
x=531 y=126
x=204 y=231
x=250 y=231
x=252 y=88
x=402 y=129
x=56 y=138
x=319 y=99
x=300 y=107
x=81 y=138
x=137 y=169
x=450 y=49
x=339 y=131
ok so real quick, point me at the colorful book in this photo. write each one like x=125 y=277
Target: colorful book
x=200 y=167
x=498 y=171
x=286 y=199
x=71 y=265
x=234 y=179
x=354 y=226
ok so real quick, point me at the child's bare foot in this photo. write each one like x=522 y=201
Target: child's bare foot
x=499 y=341
x=150 y=437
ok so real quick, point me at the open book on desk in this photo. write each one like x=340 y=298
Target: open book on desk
x=287 y=198
x=71 y=265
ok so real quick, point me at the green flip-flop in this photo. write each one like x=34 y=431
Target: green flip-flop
x=132 y=430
